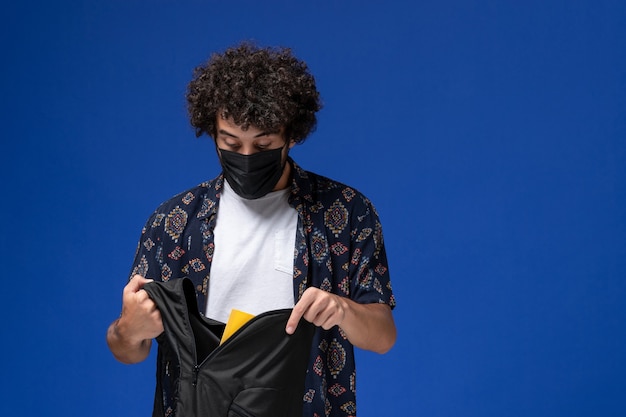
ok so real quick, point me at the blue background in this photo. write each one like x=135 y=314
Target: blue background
x=491 y=136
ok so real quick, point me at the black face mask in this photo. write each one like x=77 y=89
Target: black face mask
x=252 y=176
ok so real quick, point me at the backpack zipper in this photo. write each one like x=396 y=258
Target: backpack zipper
x=196 y=371
x=197 y=366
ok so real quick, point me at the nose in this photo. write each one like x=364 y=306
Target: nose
x=247 y=150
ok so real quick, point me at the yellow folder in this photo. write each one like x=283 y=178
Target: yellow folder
x=236 y=319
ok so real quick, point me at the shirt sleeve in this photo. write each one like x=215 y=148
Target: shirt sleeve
x=369 y=271
x=148 y=260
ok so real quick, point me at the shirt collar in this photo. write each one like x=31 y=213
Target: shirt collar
x=300 y=186
x=211 y=197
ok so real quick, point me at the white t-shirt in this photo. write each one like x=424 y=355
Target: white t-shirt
x=252 y=267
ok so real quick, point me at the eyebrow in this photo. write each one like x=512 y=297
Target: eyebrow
x=223 y=132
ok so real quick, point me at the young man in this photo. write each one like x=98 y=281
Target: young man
x=265 y=234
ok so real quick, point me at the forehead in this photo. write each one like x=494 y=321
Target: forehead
x=229 y=127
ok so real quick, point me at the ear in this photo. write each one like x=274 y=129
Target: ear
x=292 y=143
x=217 y=150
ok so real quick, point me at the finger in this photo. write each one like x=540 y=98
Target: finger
x=296 y=314
x=293 y=321
x=325 y=312
x=328 y=323
x=141 y=296
x=158 y=321
x=319 y=316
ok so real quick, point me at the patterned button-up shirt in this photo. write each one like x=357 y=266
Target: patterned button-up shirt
x=339 y=248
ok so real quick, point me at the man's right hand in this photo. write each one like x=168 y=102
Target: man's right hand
x=130 y=336
x=140 y=319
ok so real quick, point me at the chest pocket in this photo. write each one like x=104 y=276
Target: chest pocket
x=284 y=247
x=258 y=372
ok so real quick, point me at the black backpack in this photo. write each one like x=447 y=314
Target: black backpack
x=258 y=372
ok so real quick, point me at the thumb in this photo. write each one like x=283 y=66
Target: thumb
x=136 y=283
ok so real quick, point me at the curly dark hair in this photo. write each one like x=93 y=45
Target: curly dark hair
x=267 y=88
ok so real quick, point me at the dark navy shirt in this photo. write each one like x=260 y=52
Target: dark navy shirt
x=339 y=249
